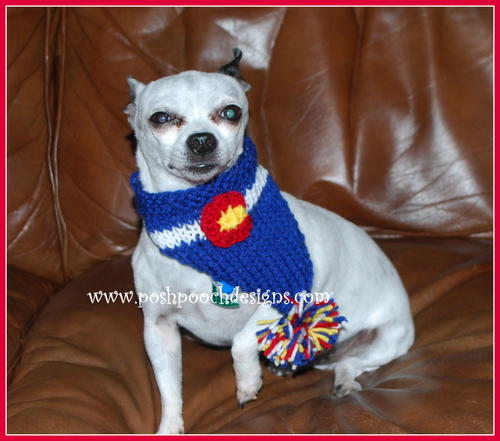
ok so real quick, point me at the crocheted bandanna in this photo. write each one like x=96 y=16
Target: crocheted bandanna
x=239 y=229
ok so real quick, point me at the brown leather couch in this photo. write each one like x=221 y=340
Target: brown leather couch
x=383 y=115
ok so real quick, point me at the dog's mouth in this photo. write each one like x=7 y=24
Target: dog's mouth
x=202 y=168
x=199 y=173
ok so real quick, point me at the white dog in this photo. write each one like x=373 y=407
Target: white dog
x=190 y=128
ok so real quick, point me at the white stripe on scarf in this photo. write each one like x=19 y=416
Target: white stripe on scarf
x=188 y=233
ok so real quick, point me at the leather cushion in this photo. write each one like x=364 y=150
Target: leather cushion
x=84 y=369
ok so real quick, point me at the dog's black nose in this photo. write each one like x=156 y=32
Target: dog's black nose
x=202 y=143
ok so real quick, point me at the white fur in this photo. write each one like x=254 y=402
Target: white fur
x=347 y=263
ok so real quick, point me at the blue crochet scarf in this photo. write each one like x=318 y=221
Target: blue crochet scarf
x=239 y=229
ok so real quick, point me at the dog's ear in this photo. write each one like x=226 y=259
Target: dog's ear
x=233 y=69
x=135 y=88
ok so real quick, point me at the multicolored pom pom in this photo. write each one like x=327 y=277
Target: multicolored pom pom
x=296 y=339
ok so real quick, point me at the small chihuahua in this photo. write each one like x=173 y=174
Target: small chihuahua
x=190 y=130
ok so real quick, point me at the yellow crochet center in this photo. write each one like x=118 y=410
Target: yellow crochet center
x=232 y=217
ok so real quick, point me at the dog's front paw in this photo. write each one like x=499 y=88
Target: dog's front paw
x=171 y=424
x=248 y=390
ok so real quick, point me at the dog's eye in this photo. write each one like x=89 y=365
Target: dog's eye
x=161 y=118
x=231 y=113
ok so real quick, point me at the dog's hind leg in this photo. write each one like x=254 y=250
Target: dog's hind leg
x=366 y=351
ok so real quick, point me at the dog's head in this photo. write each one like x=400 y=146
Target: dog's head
x=189 y=127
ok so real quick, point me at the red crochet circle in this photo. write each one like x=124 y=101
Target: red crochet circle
x=213 y=211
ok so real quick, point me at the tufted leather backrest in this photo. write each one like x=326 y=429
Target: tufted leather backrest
x=383 y=115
